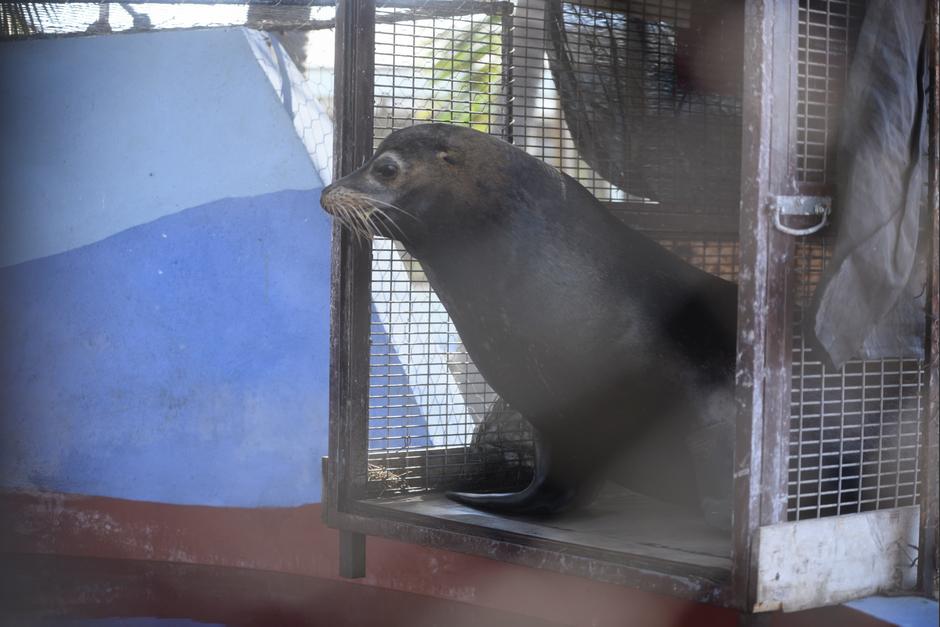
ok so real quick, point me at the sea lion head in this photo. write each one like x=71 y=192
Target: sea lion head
x=425 y=183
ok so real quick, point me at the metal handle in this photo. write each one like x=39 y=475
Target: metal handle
x=820 y=206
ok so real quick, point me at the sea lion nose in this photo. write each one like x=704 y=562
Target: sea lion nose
x=326 y=198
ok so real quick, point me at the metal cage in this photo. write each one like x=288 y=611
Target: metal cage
x=412 y=416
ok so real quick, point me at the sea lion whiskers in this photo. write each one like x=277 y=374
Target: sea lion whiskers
x=356 y=210
x=362 y=218
x=341 y=212
x=401 y=234
x=376 y=204
x=351 y=217
x=364 y=215
x=366 y=206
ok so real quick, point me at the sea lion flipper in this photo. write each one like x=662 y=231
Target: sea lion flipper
x=538 y=498
x=551 y=490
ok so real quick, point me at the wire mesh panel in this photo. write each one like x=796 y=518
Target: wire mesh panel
x=634 y=99
x=855 y=432
x=434 y=62
x=426 y=397
x=441 y=62
x=827 y=31
x=651 y=96
x=717 y=255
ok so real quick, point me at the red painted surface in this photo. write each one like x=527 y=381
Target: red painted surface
x=35 y=586
x=295 y=541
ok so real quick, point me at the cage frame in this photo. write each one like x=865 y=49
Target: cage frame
x=762 y=376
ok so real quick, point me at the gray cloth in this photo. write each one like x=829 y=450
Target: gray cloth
x=870 y=303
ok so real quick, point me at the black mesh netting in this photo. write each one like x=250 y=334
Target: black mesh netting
x=652 y=97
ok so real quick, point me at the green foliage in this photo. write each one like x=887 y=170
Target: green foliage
x=466 y=76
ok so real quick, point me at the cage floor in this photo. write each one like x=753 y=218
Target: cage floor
x=619 y=523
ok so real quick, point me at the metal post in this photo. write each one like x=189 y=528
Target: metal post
x=929 y=510
x=351 y=274
x=762 y=378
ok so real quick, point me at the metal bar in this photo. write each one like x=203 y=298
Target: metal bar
x=765 y=619
x=270 y=3
x=265 y=25
x=350 y=276
x=929 y=510
x=472 y=6
x=642 y=573
x=763 y=371
x=508 y=52
x=417 y=13
x=431 y=10
x=660 y=219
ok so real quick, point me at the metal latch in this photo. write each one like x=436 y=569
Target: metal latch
x=819 y=206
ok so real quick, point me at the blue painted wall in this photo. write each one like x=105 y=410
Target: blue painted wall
x=164 y=295
x=180 y=361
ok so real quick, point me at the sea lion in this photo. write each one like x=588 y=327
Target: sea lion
x=618 y=353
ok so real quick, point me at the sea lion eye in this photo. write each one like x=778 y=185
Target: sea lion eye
x=387 y=169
